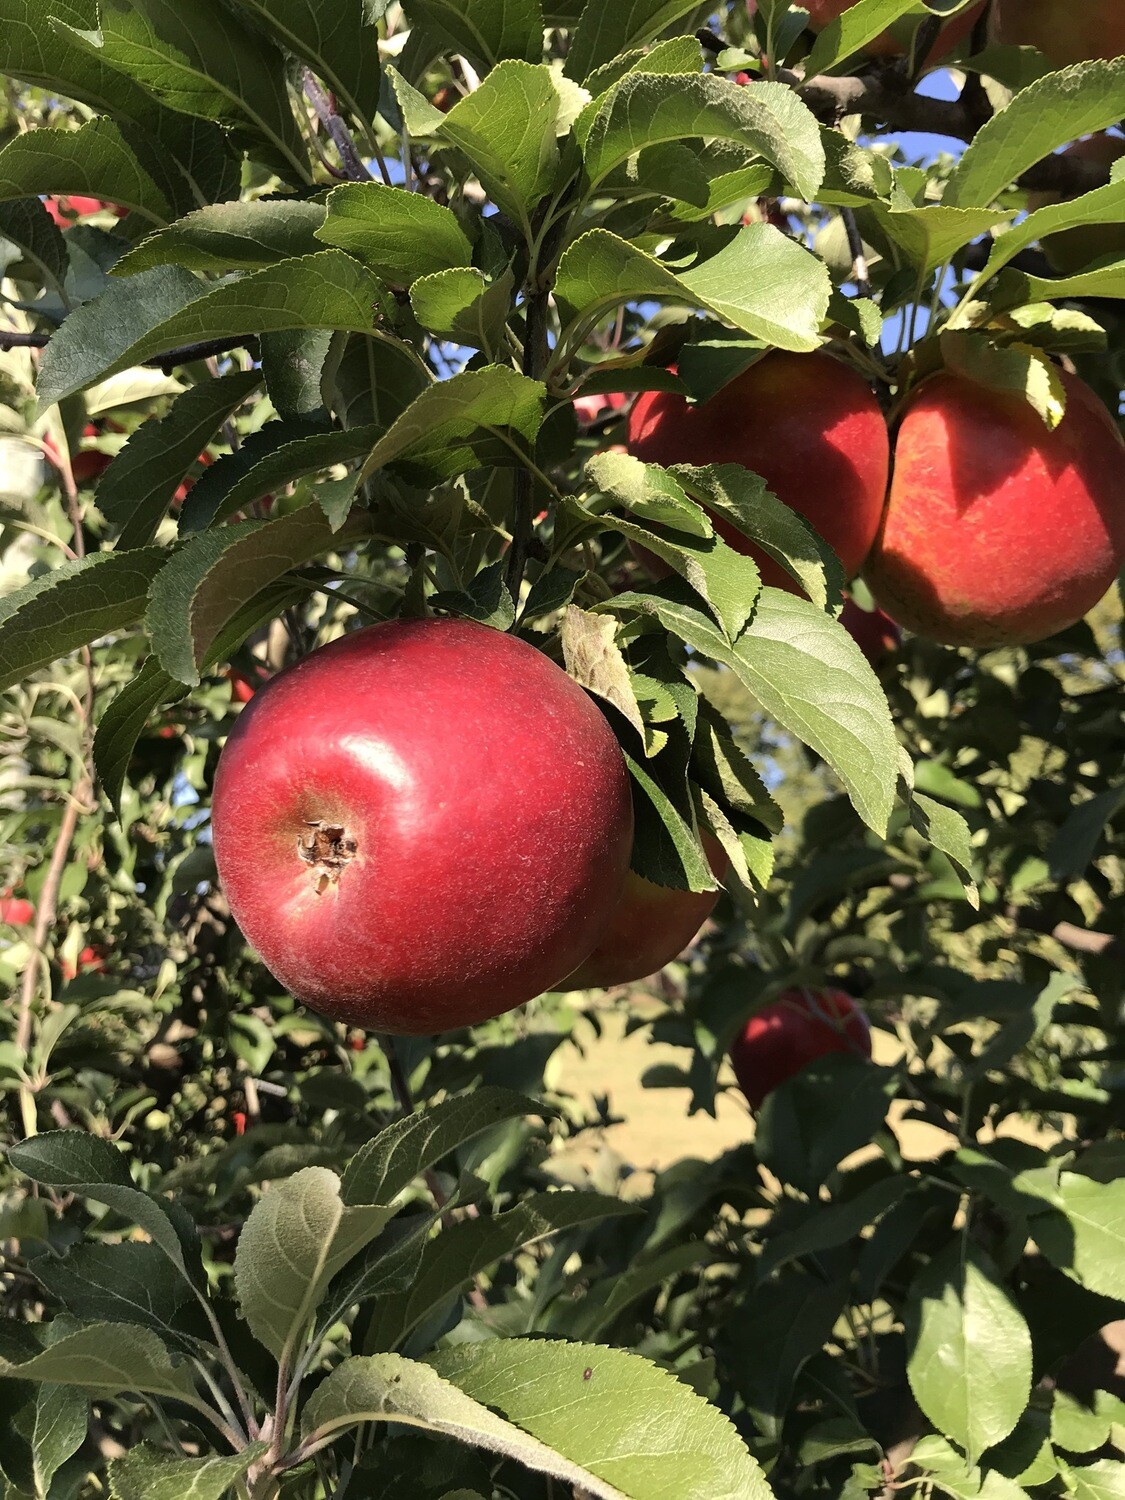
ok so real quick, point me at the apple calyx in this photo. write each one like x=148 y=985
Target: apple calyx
x=328 y=848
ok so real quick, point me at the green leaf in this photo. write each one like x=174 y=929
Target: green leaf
x=666 y=849
x=1049 y=113
x=477 y=419
x=72 y=605
x=1105 y=205
x=397 y=234
x=1084 y=1232
x=594 y=660
x=206 y=63
x=451 y=1260
x=947 y=831
x=832 y=1107
x=970 y=1351
x=742 y=498
x=94 y=159
x=26 y=224
x=125 y=1283
x=122 y=722
x=138 y=486
x=826 y=1226
x=723 y=770
x=230 y=237
x=850 y=32
x=146 y=1473
x=1076 y=843
x=606 y=1301
x=1104 y=1480
x=506 y=129
x=645 y=108
x=678 y=54
x=599 y=1418
x=486 y=599
x=339 y=42
x=465 y=306
x=214 y=575
x=1016 y=288
x=762 y=282
x=55 y=1433
x=606 y=31
x=297 y=1237
x=108 y=1359
x=271 y=458
x=486 y=31
x=386 y=1166
x=1082 y=1424
x=162 y=309
x=91 y=1168
x=45 y=56
x=930 y=235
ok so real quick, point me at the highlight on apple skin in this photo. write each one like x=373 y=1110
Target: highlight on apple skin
x=997 y=530
x=650 y=926
x=422 y=825
x=809 y=425
x=800 y=1026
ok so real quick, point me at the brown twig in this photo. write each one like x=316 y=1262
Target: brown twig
x=350 y=159
x=186 y=354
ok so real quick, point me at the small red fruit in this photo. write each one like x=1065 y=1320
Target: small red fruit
x=67 y=209
x=90 y=961
x=800 y=1026
x=184 y=489
x=807 y=424
x=651 y=924
x=873 y=631
x=15 y=911
x=243 y=688
x=238 y=1120
x=998 y=531
x=422 y=825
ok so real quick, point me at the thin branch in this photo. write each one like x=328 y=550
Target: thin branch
x=855 y=249
x=186 y=354
x=350 y=158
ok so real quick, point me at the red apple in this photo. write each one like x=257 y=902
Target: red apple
x=1074 y=249
x=649 y=926
x=807 y=424
x=589 y=408
x=782 y=1038
x=422 y=825
x=182 y=492
x=873 y=631
x=90 y=961
x=893 y=41
x=1063 y=31
x=998 y=531
x=15 y=911
x=243 y=688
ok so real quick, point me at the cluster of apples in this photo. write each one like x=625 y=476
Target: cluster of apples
x=993 y=530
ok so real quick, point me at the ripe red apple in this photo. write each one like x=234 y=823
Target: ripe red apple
x=15 y=911
x=184 y=489
x=1064 y=32
x=997 y=531
x=873 y=631
x=1074 y=249
x=800 y=1026
x=893 y=41
x=649 y=926
x=807 y=424
x=243 y=688
x=422 y=825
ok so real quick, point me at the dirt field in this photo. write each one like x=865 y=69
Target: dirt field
x=656 y=1128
